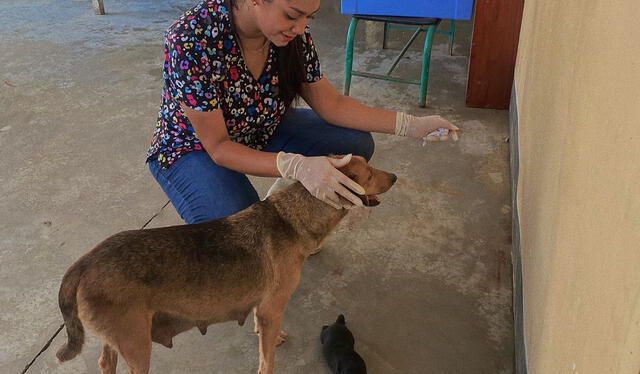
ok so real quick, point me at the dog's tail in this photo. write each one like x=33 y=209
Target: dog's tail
x=341 y=320
x=67 y=300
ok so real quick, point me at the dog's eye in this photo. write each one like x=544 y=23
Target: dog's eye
x=370 y=177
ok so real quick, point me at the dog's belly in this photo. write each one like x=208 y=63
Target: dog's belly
x=167 y=325
x=210 y=308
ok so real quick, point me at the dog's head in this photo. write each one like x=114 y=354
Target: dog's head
x=374 y=181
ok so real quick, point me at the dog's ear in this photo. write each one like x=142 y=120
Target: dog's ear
x=346 y=168
x=344 y=162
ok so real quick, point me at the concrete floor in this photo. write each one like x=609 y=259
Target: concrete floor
x=424 y=279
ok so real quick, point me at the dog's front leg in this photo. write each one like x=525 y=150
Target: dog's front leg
x=282 y=336
x=269 y=319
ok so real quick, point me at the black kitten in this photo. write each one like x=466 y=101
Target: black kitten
x=337 y=347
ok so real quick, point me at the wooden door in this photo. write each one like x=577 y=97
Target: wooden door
x=494 y=44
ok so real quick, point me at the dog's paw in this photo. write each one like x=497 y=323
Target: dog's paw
x=282 y=337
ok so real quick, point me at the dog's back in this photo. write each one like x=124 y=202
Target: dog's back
x=178 y=259
x=231 y=249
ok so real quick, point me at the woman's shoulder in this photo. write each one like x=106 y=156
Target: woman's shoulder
x=209 y=19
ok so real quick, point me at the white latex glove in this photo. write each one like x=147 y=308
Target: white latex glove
x=320 y=176
x=420 y=127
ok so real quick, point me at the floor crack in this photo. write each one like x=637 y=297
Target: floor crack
x=155 y=215
x=43 y=349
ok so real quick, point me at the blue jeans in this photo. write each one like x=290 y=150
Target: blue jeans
x=201 y=190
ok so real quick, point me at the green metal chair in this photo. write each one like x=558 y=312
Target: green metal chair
x=418 y=25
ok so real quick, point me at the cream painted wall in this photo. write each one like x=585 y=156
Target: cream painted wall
x=578 y=92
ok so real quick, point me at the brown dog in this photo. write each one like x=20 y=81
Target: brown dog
x=149 y=285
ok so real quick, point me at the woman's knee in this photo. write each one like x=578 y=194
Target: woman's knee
x=364 y=145
x=206 y=210
x=346 y=141
x=217 y=196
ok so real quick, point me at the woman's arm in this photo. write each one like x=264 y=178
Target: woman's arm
x=212 y=132
x=345 y=111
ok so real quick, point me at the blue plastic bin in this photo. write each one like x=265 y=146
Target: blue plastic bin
x=447 y=9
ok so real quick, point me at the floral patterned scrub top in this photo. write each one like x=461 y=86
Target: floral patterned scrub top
x=204 y=68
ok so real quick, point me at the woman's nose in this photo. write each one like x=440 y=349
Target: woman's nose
x=300 y=26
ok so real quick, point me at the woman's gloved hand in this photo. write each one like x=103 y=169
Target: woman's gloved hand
x=420 y=127
x=320 y=176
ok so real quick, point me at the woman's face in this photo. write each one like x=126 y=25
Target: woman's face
x=282 y=20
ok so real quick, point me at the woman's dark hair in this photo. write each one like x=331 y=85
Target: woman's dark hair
x=291 y=71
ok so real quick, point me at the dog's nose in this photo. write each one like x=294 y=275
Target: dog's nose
x=394 y=179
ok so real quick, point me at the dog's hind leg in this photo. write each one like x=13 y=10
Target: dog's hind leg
x=108 y=360
x=133 y=336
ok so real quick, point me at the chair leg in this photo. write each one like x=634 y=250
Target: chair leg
x=404 y=50
x=426 y=61
x=452 y=34
x=349 y=57
x=98 y=6
x=384 y=36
